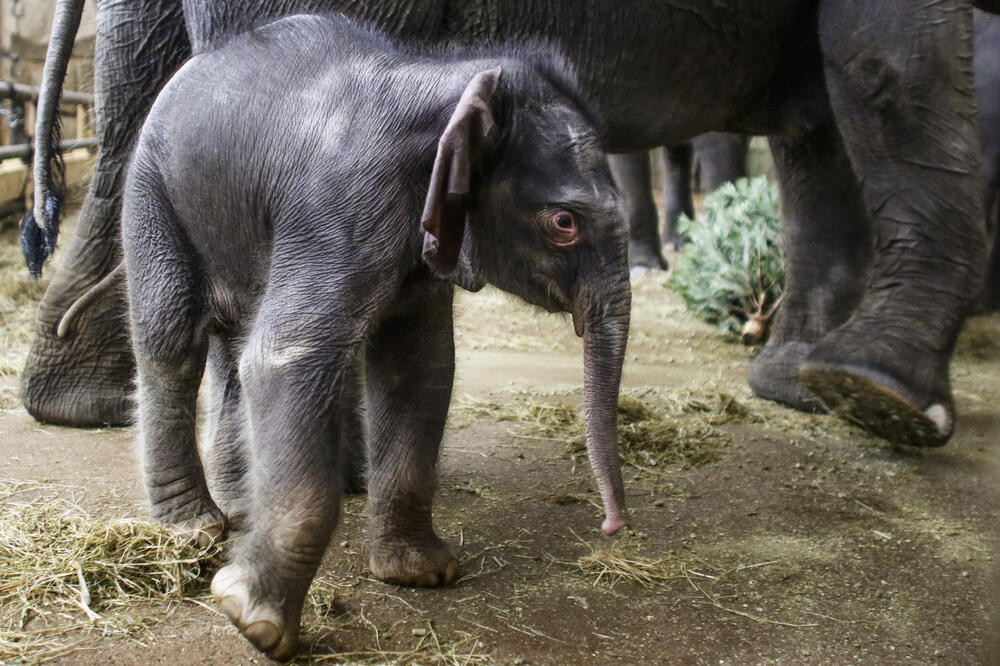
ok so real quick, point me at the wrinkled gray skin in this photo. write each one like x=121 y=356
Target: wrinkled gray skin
x=722 y=158
x=840 y=87
x=988 y=94
x=279 y=237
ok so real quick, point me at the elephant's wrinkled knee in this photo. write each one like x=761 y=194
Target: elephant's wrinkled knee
x=258 y=361
x=876 y=80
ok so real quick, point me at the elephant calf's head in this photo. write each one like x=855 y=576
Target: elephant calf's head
x=521 y=196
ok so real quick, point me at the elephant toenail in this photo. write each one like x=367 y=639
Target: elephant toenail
x=263 y=634
x=208 y=535
x=232 y=608
x=939 y=415
x=450 y=572
x=428 y=579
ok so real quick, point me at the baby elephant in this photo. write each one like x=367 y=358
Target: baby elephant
x=272 y=229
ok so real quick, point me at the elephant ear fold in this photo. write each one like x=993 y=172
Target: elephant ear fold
x=447 y=201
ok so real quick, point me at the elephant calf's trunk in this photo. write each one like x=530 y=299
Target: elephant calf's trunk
x=604 y=353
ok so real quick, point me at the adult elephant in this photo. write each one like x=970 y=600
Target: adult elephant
x=841 y=87
x=722 y=157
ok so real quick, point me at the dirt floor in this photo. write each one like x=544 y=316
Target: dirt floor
x=761 y=536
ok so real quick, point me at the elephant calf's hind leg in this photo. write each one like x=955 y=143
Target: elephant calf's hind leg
x=170 y=343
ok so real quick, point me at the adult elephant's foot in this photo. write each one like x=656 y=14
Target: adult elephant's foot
x=260 y=617
x=903 y=400
x=643 y=257
x=774 y=375
x=427 y=562
x=85 y=378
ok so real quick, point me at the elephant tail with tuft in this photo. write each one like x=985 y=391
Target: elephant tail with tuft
x=40 y=226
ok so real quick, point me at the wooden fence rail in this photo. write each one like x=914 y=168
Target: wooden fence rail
x=15 y=141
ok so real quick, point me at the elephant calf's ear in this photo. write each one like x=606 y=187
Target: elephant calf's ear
x=447 y=199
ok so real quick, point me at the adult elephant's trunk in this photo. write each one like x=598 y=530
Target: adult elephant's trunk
x=40 y=229
x=602 y=311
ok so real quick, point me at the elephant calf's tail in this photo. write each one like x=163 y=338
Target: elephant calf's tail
x=40 y=227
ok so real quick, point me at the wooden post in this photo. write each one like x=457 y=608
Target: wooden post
x=29 y=118
x=81 y=121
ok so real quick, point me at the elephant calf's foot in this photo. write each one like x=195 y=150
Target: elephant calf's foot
x=202 y=531
x=427 y=563
x=774 y=375
x=193 y=516
x=259 y=620
x=879 y=404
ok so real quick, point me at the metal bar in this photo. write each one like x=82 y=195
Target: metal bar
x=19 y=91
x=23 y=150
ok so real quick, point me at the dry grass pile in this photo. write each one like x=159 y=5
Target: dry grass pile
x=684 y=432
x=609 y=567
x=19 y=296
x=546 y=420
x=468 y=410
x=62 y=569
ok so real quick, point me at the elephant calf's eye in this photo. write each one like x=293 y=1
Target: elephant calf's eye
x=563 y=230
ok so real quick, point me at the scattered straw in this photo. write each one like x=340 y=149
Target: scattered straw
x=608 y=567
x=467 y=410
x=548 y=420
x=19 y=296
x=62 y=569
x=683 y=433
x=428 y=648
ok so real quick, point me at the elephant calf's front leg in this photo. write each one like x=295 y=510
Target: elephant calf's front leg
x=410 y=368
x=292 y=389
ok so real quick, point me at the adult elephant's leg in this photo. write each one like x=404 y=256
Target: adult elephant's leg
x=987 y=65
x=85 y=379
x=989 y=297
x=722 y=158
x=410 y=368
x=905 y=107
x=632 y=176
x=827 y=253
x=676 y=185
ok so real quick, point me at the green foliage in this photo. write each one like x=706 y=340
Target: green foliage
x=734 y=264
